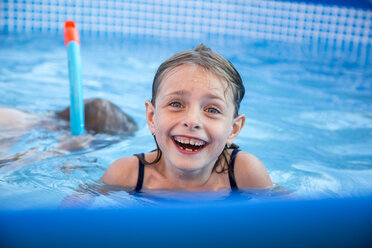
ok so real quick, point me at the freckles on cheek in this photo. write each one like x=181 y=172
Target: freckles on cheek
x=157 y=122
x=221 y=131
x=161 y=122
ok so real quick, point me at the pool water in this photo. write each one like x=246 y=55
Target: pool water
x=308 y=109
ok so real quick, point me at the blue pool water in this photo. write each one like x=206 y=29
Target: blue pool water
x=308 y=109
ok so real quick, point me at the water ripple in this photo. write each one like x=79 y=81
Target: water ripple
x=332 y=120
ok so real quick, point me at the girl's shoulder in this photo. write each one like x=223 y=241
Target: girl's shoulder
x=249 y=171
x=122 y=172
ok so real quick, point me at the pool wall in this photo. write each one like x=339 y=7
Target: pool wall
x=290 y=21
x=317 y=223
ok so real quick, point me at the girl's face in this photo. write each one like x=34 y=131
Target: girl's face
x=193 y=118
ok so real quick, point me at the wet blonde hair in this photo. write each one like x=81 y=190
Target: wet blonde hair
x=204 y=57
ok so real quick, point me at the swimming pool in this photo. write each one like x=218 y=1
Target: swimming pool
x=307 y=70
x=308 y=114
x=308 y=120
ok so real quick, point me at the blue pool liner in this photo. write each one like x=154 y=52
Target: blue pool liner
x=308 y=223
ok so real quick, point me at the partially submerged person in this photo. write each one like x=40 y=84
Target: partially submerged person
x=14 y=122
x=101 y=116
x=194 y=118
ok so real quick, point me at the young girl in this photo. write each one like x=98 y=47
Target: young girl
x=193 y=116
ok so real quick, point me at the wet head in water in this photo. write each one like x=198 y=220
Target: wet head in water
x=102 y=116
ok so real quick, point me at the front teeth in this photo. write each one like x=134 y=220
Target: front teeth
x=193 y=142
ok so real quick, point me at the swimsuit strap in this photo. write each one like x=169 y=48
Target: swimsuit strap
x=233 y=184
x=141 y=172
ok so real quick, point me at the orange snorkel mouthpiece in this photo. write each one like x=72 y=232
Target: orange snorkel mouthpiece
x=71 y=33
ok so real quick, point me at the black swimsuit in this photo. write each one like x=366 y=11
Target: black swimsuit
x=141 y=171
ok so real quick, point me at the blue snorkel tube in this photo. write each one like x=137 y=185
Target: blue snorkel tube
x=72 y=43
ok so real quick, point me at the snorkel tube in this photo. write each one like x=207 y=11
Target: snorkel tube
x=72 y=43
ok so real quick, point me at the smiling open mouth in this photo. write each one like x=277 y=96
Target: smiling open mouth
x=189 y=144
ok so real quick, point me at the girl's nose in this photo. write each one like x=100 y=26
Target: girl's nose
x=192 y=119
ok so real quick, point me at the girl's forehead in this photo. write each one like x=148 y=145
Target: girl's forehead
x=192 y=77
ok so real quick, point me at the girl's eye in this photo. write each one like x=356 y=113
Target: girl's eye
x=212 y=110
x=175 y=104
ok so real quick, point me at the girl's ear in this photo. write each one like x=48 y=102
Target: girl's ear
x=238 y=124
x=150 y=113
